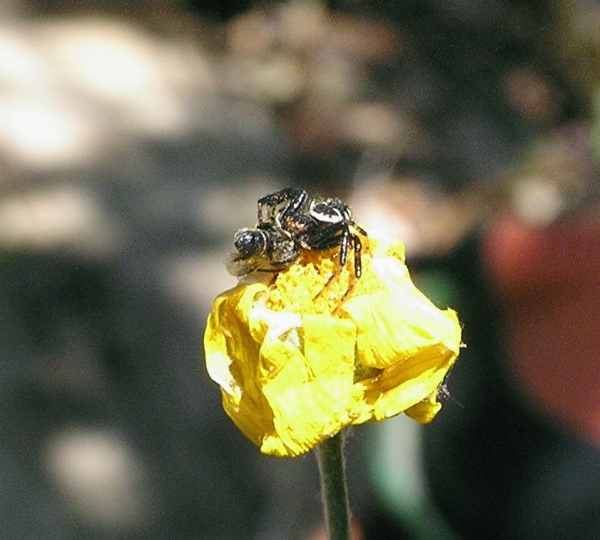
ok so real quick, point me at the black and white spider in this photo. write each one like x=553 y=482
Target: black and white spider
x=289 y=221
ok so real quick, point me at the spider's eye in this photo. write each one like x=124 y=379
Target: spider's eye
x=250 y=242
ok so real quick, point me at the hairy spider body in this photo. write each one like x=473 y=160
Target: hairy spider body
x=288 y=221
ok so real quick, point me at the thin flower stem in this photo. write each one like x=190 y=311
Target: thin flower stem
x=330 y=456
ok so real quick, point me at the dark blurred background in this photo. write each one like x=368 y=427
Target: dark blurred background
x=135 y=138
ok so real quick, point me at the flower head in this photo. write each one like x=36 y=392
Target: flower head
x=315 y=349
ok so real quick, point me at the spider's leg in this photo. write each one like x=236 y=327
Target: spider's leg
x=328 y=237
x=345 y=295
x=334 y=275
x=296 y=199
x=340 y=234
x=357 y=256
x=344 y=246
x=359 y=229
x=272 y=208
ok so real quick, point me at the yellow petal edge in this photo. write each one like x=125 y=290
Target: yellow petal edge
x=302 y=357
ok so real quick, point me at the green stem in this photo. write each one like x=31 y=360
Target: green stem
x=330 y=456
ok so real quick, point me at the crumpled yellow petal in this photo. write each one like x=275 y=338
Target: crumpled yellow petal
x=301 y=358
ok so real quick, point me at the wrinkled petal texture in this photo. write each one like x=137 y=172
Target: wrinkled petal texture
x=304 y=356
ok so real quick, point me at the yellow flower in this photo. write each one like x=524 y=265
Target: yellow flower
x=305 y=355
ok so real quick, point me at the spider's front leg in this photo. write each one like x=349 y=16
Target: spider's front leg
x=275 y=208
x=332 y=235
x=345 y=245
x=348 y=238
x=357 y=255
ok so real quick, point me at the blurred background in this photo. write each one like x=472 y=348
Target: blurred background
x=136 y=137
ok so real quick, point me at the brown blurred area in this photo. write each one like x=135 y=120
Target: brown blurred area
x=135 y=138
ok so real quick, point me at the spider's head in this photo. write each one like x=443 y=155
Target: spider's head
x=330 y=211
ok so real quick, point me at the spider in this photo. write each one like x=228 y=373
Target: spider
x=288 y=221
